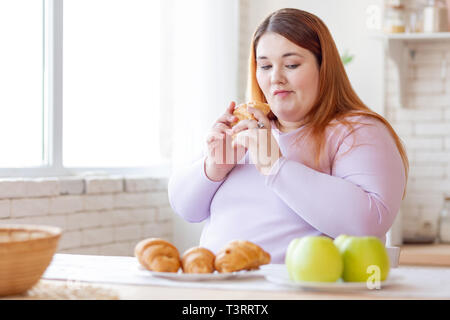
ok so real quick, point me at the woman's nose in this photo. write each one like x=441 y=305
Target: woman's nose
x=277 y=76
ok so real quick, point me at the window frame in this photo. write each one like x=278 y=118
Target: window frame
x=53 y=110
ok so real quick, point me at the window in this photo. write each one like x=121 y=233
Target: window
x=81 y=89
x=111 y=68
x=21 y=83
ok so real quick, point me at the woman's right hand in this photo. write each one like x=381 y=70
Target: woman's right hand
x=222 y=157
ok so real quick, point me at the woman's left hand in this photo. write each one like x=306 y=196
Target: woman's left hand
x=264 y=150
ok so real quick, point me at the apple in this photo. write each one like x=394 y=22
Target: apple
x=313 y=258
x=363 y=257
x=339 y=241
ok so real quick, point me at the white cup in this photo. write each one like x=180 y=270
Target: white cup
x=394 y=255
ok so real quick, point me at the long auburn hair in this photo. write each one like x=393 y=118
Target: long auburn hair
x=336 y=99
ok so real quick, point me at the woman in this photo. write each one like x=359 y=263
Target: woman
x=335 y=167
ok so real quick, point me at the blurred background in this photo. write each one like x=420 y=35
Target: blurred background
x=102 y=99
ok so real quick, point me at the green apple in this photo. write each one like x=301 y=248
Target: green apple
x=313 y=258
x=339 y=241
x=364 y=257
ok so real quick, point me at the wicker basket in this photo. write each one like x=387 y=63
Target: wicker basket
x=25 y=253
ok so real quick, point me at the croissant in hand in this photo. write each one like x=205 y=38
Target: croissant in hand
x=241 y=111
x=240 y=255
x=198 y=260
x=158 y=255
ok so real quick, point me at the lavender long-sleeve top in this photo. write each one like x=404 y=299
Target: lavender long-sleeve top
x=356 y=189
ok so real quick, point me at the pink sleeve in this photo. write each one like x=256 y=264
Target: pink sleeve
x=361 y=197
x=190 y=192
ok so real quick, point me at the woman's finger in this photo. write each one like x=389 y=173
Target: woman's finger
x=231 y=107
x=260 y=116
x=244 y=125
x=222 y=127
x=241 y=139
x=214 y=135
x=226 y=119
x=228 y=115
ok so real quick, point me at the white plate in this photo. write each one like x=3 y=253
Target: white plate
x=180 y=276
x=283 y=279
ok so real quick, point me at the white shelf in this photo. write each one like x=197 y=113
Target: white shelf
x=414 y=36
x=396 y=46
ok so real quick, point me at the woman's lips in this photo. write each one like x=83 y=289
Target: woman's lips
x=282 y=94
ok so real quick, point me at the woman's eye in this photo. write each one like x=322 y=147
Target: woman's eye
x=292 y=66
x=266 y=67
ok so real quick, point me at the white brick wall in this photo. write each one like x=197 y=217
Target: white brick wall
x=29 y=207
x=424 y=143
x=12 y=188
x=99 y=215
x=425 y=129
x=104 y=184
x=66 y=204
x=5 y=208
x=71 y=185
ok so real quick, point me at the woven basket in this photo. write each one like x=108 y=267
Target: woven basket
x=25 y=253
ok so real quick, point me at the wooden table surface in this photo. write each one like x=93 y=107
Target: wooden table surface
x=128 y=292
x=410 y=282
x=148 y=292
x=425 y=254
x=421 y=288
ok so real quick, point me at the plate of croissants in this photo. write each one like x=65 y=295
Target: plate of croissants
x=160 y=258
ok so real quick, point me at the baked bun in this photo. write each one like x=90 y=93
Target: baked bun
x=242 y=113
x=158 y=255
x=198 y=260
x=240 y=255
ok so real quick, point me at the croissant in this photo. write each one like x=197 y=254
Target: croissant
x=198 y=260
x=240 y=255
x=242 y=113
x=158 y=255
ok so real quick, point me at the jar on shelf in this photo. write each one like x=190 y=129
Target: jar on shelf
x=414 y=17
x=444 y=221
x=394 y=16
x=435 y=17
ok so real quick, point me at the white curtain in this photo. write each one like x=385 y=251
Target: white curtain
x=199 y=74
x=200 y=71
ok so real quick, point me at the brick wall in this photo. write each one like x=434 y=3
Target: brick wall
x=104 y=215
x=424 y=126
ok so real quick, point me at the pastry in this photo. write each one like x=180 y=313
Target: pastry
x=158 y=255
x=240 y=255
x=242 y=113
x=198 y=260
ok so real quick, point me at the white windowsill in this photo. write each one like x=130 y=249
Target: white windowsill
x=157 y=171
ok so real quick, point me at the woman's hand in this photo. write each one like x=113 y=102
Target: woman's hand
x=222 y=155
x=263 y=148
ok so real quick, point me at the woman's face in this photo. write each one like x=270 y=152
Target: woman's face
x=288 y=75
